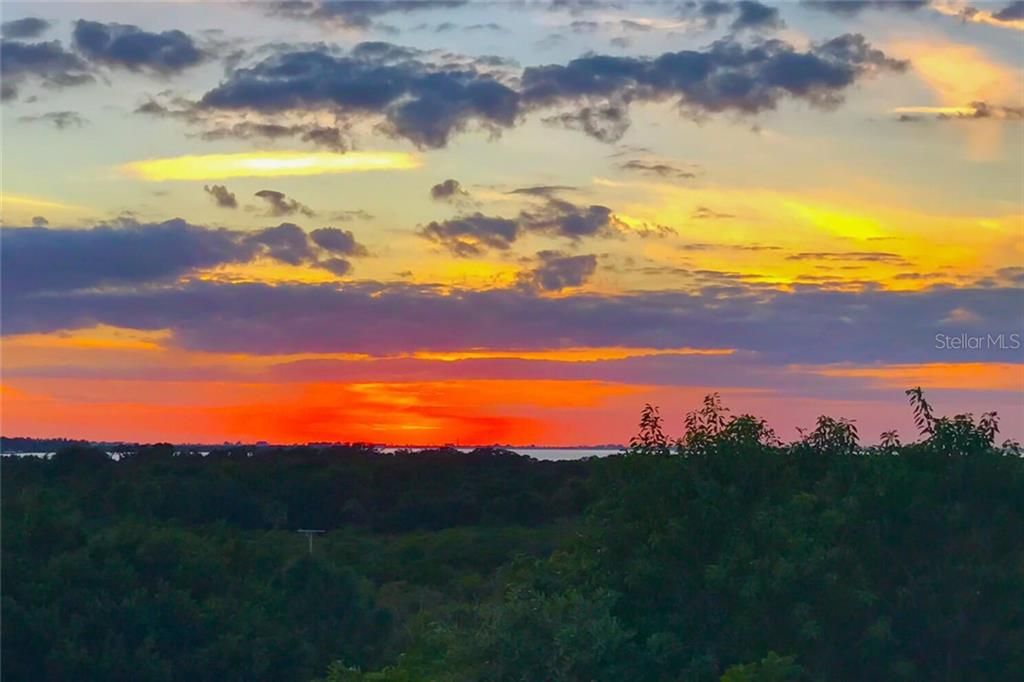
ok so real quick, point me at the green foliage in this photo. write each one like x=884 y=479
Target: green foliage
x=650 y=440
x=900 y=561
x=771 y=668
x=167 y=566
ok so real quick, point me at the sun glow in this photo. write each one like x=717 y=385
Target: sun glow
x=266 y=164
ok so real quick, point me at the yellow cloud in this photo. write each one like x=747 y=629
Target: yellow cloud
x=971 y=376
x=959 y=74
x=266 y=164
x=19 y=207
x=965 y=11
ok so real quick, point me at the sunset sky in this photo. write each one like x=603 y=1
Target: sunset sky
x=446 y=221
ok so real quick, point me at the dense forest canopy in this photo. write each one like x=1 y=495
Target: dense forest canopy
x=723 y=556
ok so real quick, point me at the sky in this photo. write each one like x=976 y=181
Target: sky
x=440 y=221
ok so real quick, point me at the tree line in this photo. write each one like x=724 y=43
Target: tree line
x=726 y=555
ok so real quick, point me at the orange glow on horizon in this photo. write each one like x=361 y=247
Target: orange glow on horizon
x=978 y=376
x=408 y=413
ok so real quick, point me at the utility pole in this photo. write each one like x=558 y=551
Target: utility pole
x=309 y=536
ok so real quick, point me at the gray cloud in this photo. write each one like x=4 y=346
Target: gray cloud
x=281 y=205
x=29 y=27
x=754 y=15
x=472 y=235
x=605 y=122
x=361 y=14
x=805 y=325
x=557 y=271
x=337 y=241
x=426 y=99
x=61 y=120
x=447 y=191
x=726 y=77
x=335 y=137
x=864 y=256
x=543 y=190
x=1012 y=12
x=41 y=260
x=561 y=218
x=475 y=234
x=351 y=214
x=851 y=7
x=419 y=101
x=221 y=196
x=63 y=259
x=286 y=242
x=129 y=47
x=47 y=63
x=661 y=169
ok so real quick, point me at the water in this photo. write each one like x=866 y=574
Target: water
x=549 y=454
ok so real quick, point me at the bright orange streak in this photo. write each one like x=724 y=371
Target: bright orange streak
x=35 y=347
x=489 y=411
x=953 y=375
x=266 y=164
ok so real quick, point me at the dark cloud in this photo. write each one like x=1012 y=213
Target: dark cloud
x=336 y=266
x=47 y=63
x=29 y=27
x=754 y=15
x=713 y=9
x=419 y=101
x=60 y=120
x=287 y=243
x=1012 y=12
x=448 y=190
x=664 y=170
x=281 y=205
x=359 y=14
x=557 y=271
x=472 y=235
x=426 y=99
x=805 y=325
x=43 y=261
x=39 y=221
x=221 y=195
x=337 y=241
x=561 y=218
x=59 y=259
x=725 y=77
x=606 y=122
x=335 y=138
x=475 y=234
x=129 y=47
